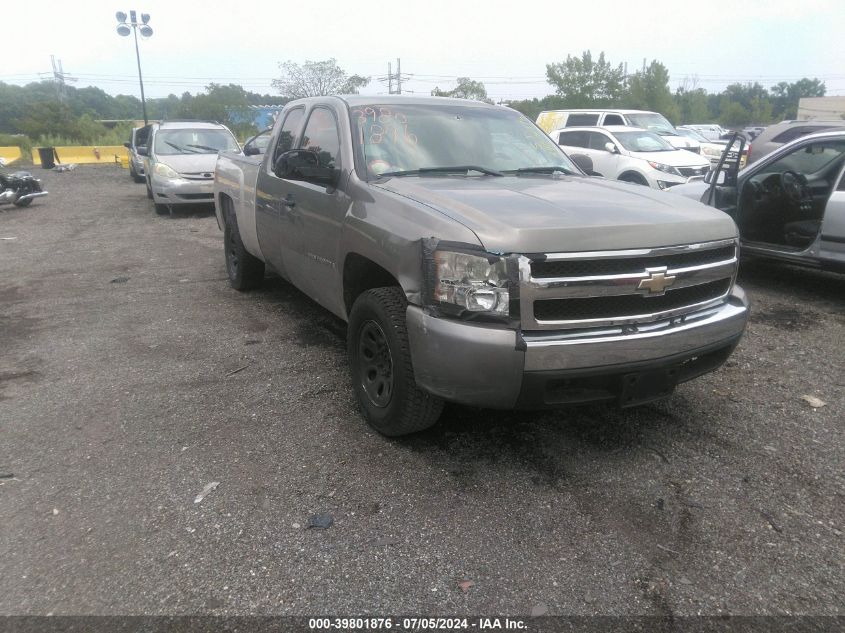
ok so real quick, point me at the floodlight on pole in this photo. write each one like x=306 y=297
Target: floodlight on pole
x=124 y=28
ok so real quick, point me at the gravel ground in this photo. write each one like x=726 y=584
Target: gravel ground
x=132 y=375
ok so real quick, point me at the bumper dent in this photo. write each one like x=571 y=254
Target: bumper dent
x=493 y=367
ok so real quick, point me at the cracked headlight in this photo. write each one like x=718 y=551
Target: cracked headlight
x=165 y=172
x=475 y=283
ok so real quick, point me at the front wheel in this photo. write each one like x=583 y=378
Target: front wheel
x=380 y=363
x=23 y=203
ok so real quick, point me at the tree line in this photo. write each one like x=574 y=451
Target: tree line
x=44 y=114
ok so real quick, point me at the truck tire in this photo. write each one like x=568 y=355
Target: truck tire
x=380 y=364
x=23 y=203
x=245 y=271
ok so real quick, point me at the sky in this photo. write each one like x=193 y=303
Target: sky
x=505 y=45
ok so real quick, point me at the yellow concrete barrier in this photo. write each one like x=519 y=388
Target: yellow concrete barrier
x=10 y=154
x=87 y=155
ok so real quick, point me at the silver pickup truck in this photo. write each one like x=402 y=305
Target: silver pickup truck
x=475 y=262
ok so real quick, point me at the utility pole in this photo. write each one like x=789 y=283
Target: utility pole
x=389 y=80
x=398 y=76
x=60 y=77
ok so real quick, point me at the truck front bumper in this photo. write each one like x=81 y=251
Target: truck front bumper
x=493 y=367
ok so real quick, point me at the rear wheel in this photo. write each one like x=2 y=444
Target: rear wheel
x=380 y=363
x=245 y=271
x=23 y=203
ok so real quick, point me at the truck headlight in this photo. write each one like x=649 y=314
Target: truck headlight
x=710 y=151
x=474 y=283
x=666 y=169
x=165 y=172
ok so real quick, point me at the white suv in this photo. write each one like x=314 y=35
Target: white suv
x=653 y=121
x=632 y=154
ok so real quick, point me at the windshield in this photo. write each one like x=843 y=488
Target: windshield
x=651 y=121
x=643 y=142
x=187 y=141
x=693 y=135
x=407 y=138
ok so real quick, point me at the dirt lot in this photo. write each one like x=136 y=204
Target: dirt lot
x=132 y=375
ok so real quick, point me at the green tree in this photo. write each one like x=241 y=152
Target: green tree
x=316 y=79
x=466 y=89
x=649 y=90
x=733 y=113
x=692 y=105
x=582 y=82
x=785 y=96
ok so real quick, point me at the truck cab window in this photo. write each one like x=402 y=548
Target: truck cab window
x=321 y=137
x=293 y=120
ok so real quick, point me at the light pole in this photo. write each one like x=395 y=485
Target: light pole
x=124 y=28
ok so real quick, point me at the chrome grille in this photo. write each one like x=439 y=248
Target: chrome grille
x=590 y=289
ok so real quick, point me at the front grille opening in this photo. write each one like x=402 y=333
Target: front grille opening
x=196 y=196
x=621 y=306
x=631 y=265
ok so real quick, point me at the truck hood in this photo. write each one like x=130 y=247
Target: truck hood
x=531 y=214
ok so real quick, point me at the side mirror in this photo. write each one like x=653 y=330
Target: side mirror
x=610 y=147
x=127 y=145
x=250 y=149
x=301 y=164
x=142 y=150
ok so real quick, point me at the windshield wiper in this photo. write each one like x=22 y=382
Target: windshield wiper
x=180 y=148
x=541 y=170
x=434 y=170
x=211 y=149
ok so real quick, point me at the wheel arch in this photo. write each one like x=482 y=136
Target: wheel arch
x=360 y=274
x=632 y=175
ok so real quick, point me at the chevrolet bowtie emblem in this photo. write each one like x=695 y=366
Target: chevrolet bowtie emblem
x=656 y=282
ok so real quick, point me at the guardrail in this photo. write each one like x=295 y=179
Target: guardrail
x=87 y=155
x=10 y=154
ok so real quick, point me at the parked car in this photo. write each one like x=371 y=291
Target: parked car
x=790 y=204
x=556 y=119
x=137 y=138
x=712 y=150
x=632 y=155
x=778 y=134
x=474 y=262
x=179 y=161
x=711 y=131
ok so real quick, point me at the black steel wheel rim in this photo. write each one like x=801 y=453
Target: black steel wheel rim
x=232 y=255
x=375 y=364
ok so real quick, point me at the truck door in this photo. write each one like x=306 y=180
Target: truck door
x=271 y=192
x=315 y=215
